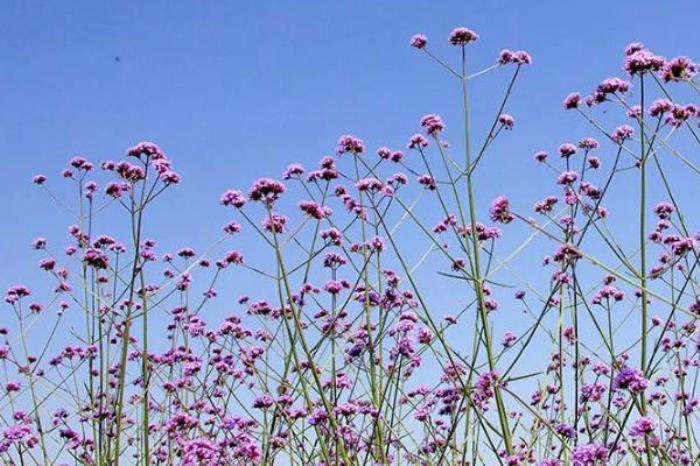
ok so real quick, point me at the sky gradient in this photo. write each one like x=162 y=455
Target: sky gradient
x=237 y=90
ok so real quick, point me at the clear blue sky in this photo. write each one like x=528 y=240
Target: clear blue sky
x=237 y=90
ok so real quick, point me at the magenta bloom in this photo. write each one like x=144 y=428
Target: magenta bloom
x=642 y=427
x=432 y=123
x=591 y=454
x=233 y=198
x=349 y=143
x=572 y=100
x=499 y=210
x=462 y=36
x=567 y=150
x=630 y=379
x=506 y=120
x=266 y=190
x=568 y=177
x=417 y=141
x=275 y=223
x=642 y=61
x=679 y=69
x=519 y=57
x=622 y=133
x=540 y=156
x=419 y=41
x=146 y=148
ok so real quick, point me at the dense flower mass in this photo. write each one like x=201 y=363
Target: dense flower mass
x=376 y=309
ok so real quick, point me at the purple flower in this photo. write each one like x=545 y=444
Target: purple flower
x=351 y=144
x=462 y=36
x=432 y=123
x=146 y=148
x=642 y=61
x=499 y=210
x=572 y=100
x=567 y=177
x=274 y=223
x=419 y=41
x=508 y=339
x=631 y=379
x=622 y=133
x=506 y=120
x=679 y=69
x=592 y=454
x=266 y=190
x=567 y=150
x=233 y=198
x=642 y=427
x=540 y=156
x=588 y=144
x=519 y=57
x=660 y=106
x=417 y=141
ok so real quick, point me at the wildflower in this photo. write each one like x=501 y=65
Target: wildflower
x=146 y=148
x=663 y=210
x=642 y=61
x=630 y=379
x=567 y=177
x=274 y=223
x=607 y=87
x=565 y=430
x=462 y=36
x=642 y=427
x=333 y=235
x=572 y=100
x=417 y=141
x=679 y=69
x=432 y=123
x=540 y=156
x=588 y=144
x=508 y=339
x=593 y=162
x=80 y=163
x=39 y=179
x=349 y=143
x=95 y=258
x=312 y=209
x=518 y=57
x=622 y=133
x=427 y=181
x=567 y=150
x=506 y=120
x=419 y=41
x=266 y=190
x=499 y=210
x=591 y=454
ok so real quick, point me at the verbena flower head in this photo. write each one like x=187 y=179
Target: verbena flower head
x=642 y=61
x=147 y=149
x=432 y=123
x=632 y=379
x=679 y=69
x=351 y=144
x=499 y=210
x=572 y=100
x=462 y=36
x=266 y=190
x=233 y=198
x=419 y=41
x=518 y=57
